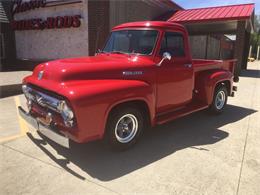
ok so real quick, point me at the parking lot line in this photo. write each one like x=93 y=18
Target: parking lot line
x=22 y=124
x=9 y=138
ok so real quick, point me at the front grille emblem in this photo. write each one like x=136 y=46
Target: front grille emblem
x=40 y=75
x=40 y=100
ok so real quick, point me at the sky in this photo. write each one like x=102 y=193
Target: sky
x=210 y=3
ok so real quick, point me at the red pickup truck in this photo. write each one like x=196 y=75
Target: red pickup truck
x=144 y=76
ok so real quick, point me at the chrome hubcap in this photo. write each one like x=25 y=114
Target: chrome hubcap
x=220 y=100
x=126 y=128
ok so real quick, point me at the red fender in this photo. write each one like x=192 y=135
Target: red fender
x=208 y=80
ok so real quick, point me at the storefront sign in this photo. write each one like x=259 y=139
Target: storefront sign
x=22 y=6
x=50 y=23
x=41 y=24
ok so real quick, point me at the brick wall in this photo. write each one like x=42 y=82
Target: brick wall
x=130 y=11
x=8 y=44
x=246 y=50
x=98 y=24
x=48 y=44
x=240 y=45
x=103 y=15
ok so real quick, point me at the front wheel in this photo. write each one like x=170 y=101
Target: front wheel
x=125 y=126
x=219 y=100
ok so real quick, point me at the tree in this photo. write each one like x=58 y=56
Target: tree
x=255 y=37
x=257 y=23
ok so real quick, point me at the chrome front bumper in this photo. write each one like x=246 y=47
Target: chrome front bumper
x=45 y=130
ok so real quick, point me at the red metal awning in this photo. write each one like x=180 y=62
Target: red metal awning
x=231 y=12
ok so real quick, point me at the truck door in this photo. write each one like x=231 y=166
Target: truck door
x=175 y=76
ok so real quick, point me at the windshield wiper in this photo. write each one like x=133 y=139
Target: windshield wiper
x=100 y=51
x=117 y=52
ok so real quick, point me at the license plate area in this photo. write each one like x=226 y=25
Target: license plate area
x=45 y=120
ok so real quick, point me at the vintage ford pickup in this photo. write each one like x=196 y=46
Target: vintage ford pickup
x=144 y=76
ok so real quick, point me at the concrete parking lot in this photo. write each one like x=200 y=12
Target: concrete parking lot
x=198 y=154
x=11 y=82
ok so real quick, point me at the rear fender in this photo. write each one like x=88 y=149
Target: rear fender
x=207 y=81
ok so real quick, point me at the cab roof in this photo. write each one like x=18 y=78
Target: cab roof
x=149 y=24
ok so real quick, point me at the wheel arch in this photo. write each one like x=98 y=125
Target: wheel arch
x=207 y=82
x=226 y=83
x=140 y=103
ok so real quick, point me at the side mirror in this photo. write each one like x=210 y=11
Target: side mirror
x=97 y=52
x=166 y=56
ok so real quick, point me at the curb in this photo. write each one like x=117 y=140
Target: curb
x=10 y=90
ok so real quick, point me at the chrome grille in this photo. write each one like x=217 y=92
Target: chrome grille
x=42 y=99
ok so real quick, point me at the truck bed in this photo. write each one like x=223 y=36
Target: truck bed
x=201 y=65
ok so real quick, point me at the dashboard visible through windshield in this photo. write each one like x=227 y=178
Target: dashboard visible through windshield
x=131 y=41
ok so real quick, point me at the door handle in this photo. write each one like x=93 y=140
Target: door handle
x=187 y=65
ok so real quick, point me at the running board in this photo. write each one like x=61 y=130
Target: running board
x=188 y=109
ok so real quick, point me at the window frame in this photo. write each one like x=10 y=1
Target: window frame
x=184 y=44
x=152 y=29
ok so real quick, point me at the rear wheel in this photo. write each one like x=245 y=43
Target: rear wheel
x=125 y=126
x=219 y=100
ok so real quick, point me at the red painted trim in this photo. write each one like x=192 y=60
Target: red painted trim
x=211 y=20
x=221 y=13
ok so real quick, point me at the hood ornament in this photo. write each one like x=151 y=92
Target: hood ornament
x=40 y=75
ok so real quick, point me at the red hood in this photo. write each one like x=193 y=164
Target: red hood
x=103 y=66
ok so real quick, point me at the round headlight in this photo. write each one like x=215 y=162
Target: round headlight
x=66 y=112
x=25 y=90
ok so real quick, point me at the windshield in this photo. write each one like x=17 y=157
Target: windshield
x=131 y=41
